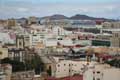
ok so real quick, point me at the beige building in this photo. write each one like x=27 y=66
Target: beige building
x=32 y=20
x=3 y=23
x=115 y=40
x=26 y=75
x=22 y=41
x=62 y=67
x=3 y=53
x=5 y=72
x=104 y=36
x=53 y=23
x=102 y=72
x=111 y=25
x=11 y=23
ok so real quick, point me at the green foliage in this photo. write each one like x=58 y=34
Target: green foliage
x=34 y=64
x=114 y=62
x=49 y=71
x=16 y=65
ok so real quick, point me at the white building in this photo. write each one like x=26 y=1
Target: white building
x=5 y=37
x=102 y=72
x=65 y=68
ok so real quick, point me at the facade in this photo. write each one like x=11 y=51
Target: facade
x=101 y=43
x=16 y=54
x=111 y=25
x=3 y=53
x=83 y=24
x=32 y=20
x=27 y=75
x=102 y=40
x=102 y=72
x=7 y=37
x=65 y=68
x=3 y=23
x=115 y=40
x=2 y=75
x=11 y=23
x=5 y=71
x=52 y=23
x=22 y=41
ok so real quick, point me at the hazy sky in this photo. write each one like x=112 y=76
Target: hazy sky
x=25 y=8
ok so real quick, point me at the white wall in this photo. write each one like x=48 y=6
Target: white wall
x=102 y=72
x=111 y=74
x=68 y=67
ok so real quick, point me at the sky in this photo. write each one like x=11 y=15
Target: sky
x=40 y=8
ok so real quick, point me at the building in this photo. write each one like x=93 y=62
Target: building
x=115 y=40
x=3 y=52
x=5 y=71
x=3 y=23
x=23 y=22
x=32 y=20
x=11 y=23
x=2 y=75
x=83 y=23
x=102 y=40
x=6 y=37
x=111 y=25
x=22 y=41
x=62 y=67
x=50 y=23
x=16 y=54
x=27 y=75
x=101 y=72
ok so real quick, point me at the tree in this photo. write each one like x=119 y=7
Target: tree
x=49 y=71
x=35 y=63
x=16 y=65
x=114 y=62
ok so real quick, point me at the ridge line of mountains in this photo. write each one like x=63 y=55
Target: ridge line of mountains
x=75 y=17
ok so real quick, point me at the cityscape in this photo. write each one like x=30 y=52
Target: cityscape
x=59 y=40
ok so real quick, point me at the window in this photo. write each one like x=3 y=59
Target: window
x=20 y=43
x=69 y=70
x=98 y=78
x=58 y=65
x=81 y=68
x=98 y=72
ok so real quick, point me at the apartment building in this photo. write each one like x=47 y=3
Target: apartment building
x=102 y=72
x=63 y=68
x=102 y=40
x=5 y=71
x=115 y=40
x=11 y=23
x=111 y=25
x=32 y=20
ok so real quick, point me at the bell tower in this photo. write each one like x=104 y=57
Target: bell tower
x=20 y=41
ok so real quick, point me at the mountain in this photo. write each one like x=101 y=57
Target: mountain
x=75 y=17
x=56 y=17
x=85 y=17
x=81 y=17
